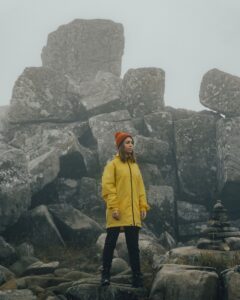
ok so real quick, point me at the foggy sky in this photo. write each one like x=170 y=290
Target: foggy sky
x=186 y=38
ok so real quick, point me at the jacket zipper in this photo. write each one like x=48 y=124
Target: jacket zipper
x=131 y=192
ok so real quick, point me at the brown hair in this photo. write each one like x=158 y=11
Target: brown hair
x=122 y=153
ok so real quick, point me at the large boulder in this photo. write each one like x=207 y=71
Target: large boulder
x=231 y=283
x=53 y=152
x=228 y=142
x=15 y=195
x=81 y=48
x=161 y=216
x=101 y=95
x=181 y=282
x=75 y=227
x=41 y=94
x=220 y=92
x=196 y=154
x=103 y=128
x=143 y=90
x=38 y=227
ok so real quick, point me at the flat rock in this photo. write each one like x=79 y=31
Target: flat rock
x=39 y=268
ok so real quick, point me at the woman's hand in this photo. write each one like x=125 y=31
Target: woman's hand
x=143 y=214
x=116 y=215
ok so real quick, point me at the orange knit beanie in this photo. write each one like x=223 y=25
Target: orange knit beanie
x=120 y=137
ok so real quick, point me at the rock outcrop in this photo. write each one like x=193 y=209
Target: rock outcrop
x=83 y=47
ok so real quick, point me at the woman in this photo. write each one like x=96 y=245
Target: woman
x=124 y=193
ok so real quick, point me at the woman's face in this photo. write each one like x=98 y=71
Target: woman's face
x=128 y=145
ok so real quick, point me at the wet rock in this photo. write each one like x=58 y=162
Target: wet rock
x=196 y=154
x=81 y=48
x=38 y=227
x=39 y=268
x=103 y=128
x=198 y=283
x=143 y=90
x=14 y=185
x=75 y=227
x=17 y=295
x=220 y=91
x=41 y=94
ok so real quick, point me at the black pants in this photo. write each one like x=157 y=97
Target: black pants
x=131 y=235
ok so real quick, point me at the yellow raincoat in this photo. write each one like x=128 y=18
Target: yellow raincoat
x=123 y=190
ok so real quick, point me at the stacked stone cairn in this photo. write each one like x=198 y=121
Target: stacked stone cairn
x=219 y=234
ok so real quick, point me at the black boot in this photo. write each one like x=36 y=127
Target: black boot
x=105 y=277
x=137 y=280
